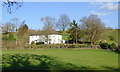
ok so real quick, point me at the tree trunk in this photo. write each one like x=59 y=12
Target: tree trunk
x=63 y=29
x=47 y=39
x=76 y=37
x=92 y=37
x=91 y=43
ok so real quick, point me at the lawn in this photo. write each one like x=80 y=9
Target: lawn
x=63 y=59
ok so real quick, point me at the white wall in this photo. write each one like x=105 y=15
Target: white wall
x=54 y=39
x=34 y=38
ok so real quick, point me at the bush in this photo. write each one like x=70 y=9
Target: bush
x=11 y=38
x=96 y=42
x=39 y=43
x=32 y=42
x=112 y=46
x=40 y=46
x=104 y=45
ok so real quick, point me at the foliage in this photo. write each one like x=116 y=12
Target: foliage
x=112 y=35
x=39 y=43
x=104 y=45
x=93 y=27
x=112 y=46
x=11 y=38
x=74 y=30
x=65 y=36
x=63 y=22
x=108 y=45
x=4 y=37
x=32 y=42
x=22 y=29
x=60 y=31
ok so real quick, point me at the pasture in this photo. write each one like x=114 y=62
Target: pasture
x=59 y=59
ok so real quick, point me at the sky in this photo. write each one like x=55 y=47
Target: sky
x=32 y=12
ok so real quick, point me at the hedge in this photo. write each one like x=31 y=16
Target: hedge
x=108 y=46
x=34 y=46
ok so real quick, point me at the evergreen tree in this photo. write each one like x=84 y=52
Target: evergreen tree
x=74 y=30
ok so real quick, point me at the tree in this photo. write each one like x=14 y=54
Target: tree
x=8 y=27
x=22 y=29
x=73 y=30
x=10 y=4
x=65 y=36
x=48 y=22
x=112 y=35
x=63 y=22
x=11 y=38
x=93 y=26
x=15 y=21
x=23 y=34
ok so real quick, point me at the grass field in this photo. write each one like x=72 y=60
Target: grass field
x=63 y=59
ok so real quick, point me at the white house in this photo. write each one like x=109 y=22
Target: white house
x=52 y=36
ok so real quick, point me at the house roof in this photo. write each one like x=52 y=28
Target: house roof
x=46 y=32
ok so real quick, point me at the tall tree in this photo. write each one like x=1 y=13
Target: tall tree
x=48 y=22
x=74 y=29
x=93 y=26
x=63 y=22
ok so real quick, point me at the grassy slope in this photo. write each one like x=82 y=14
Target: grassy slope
x=69 y=59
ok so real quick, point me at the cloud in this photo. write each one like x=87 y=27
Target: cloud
x=104 y=9
x=100 y=13
x=96 y=3
x=109 y=6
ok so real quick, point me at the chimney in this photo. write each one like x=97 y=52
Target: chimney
x=38 y=29
x=53 y=28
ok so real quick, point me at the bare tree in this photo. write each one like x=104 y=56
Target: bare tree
x=48 y=22
x=63 y=22
x=93 y=26
x=8 y=27
x=15 y=21
x=11 y=4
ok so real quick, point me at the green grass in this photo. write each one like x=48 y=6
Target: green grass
x=63 y=59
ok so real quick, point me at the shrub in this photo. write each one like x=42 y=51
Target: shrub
x=8 y=47
x=104 y=45
x=112 y=46
x=32 y=42
x=40 y=46
x=39 y=43
x=26 y=46
x=11 y=38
